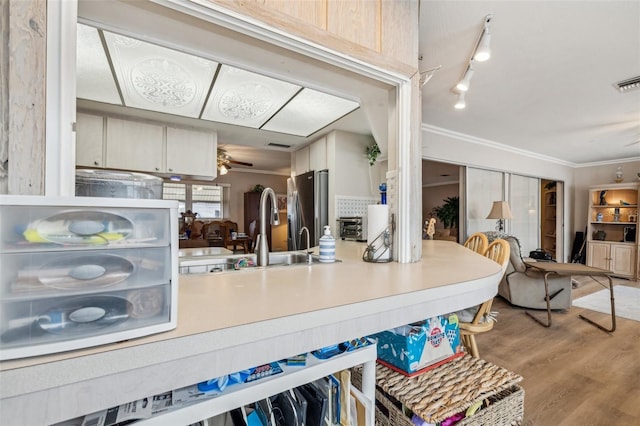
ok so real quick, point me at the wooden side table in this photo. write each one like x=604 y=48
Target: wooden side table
x=549 y=268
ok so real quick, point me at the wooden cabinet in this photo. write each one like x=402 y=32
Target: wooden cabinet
x=612 y=234
x=133 y=145
x=301 y=161
x=252 y=212
x=318 y=155
x=191 y=152
x=548 y=215
x=146 y=147
x=618 y=258
x=89 y=140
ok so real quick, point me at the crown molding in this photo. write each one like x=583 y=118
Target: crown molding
x=485 y=142
x=488 y=143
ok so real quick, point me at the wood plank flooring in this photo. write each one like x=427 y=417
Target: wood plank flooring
x=574 y=373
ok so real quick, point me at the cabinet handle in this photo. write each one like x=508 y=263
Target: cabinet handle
x=157 y=169
x=95 y=163
x=170 y=170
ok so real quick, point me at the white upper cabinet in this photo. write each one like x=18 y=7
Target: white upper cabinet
x=89 y=140
x=318 y=154
x=191 y=152
x=301 y=160
x=146 y=147
x=133 y=145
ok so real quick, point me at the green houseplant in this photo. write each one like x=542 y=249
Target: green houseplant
x=448 y=212
x=372 y=153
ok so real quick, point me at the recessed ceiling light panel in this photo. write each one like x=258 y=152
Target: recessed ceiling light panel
x=246 y=98
x=94 y=80
x=309 y=112
x=159 y=79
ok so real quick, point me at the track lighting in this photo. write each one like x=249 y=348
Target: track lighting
x=483 y=48
x=481 y=53
x=463 y=85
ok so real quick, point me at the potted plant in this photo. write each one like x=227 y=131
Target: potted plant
x=448 y=212
x=372 y=153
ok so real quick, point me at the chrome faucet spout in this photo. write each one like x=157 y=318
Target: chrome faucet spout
x=309 y=257
x=262 y=246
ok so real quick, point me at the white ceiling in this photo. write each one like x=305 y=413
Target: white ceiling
x=548 y=86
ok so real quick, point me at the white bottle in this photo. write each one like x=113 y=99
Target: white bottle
x=327 y=246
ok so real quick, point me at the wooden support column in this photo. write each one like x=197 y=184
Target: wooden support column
x=23 y=96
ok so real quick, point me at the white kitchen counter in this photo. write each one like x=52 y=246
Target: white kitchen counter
x=235 y=320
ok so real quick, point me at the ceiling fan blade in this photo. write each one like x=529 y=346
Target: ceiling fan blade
x=241 y=163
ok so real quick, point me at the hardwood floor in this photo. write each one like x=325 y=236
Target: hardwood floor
x=574 y=373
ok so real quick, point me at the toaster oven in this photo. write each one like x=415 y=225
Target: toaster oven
x=352 y=228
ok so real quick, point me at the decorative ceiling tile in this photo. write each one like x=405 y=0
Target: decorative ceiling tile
x=245 y=98
x=94 y=80
x=309 y=112
x=160 y=79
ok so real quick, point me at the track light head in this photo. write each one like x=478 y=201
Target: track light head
x=483 y=52
x=460 y=103
x=463 y=85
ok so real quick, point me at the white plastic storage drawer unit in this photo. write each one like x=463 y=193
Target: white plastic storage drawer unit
x=80 y=272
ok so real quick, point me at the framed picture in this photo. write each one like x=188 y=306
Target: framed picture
x=281 y=199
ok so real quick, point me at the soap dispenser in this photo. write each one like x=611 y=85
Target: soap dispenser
x=327 y=246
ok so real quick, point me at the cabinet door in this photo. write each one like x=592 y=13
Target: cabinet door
x=191 y=152
x=302 y=160
x=132 y=145
x=623 y=259
x=318 y=155
x=89 y=140
x=598 y=255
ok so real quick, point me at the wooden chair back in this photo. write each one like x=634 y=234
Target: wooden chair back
x=499 y=252
x=477 y=242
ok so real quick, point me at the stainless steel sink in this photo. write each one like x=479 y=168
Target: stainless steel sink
x=206 y=264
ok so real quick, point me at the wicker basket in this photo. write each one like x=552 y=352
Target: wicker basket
x=448 y=390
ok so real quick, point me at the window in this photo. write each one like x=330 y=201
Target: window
x=205 y=200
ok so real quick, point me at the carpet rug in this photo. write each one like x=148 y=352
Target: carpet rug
x=627 y=300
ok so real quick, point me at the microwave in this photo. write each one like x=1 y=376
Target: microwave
x=352 y=228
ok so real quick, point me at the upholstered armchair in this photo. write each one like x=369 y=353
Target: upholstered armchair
x=523 y=286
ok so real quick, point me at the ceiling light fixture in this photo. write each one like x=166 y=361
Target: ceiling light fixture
x=481 y=52
x=463 y=85
x=223 y=170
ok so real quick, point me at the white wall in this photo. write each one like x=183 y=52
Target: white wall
x=450 y=147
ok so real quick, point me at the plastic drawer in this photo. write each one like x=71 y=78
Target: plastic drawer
x=40 y=326
x=45 y=274
x=50 y=228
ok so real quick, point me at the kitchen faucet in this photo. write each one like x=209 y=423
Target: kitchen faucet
x=262 y=246
x=309 y=257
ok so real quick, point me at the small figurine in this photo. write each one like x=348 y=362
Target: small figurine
x=431 y=228
x=603 y=201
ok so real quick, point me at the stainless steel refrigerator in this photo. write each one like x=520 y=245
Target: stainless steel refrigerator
x=307 y=205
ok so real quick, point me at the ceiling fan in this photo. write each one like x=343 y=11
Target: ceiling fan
x=225 y=161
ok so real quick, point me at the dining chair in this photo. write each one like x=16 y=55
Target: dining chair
x=477 y=242
x=482 y=321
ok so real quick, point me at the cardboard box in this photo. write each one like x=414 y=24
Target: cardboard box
x=416 y=347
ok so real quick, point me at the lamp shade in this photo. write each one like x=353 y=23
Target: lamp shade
x=500 y=210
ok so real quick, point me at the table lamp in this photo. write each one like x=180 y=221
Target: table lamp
x=500 y=210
